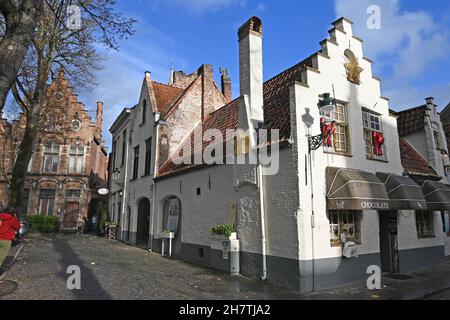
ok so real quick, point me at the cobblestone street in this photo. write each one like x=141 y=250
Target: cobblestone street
x=112 y=270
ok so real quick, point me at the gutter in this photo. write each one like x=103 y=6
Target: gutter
x=124 y=195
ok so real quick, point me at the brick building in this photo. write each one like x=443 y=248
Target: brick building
x=69 y=161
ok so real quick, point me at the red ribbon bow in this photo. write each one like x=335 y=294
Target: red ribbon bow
x=378 y=142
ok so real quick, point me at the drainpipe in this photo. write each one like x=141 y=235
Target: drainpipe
x=124 y=195
x=159 y=122
x=263 y=222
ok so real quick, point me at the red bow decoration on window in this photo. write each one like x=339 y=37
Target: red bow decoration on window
x=327 y=131
x=378 y=142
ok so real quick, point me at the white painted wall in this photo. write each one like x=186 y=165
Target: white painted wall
x=331 y=71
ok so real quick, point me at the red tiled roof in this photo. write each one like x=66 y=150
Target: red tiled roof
x=277 y=113
x=165 y=95
x=225 y=118
x=413 y=162
x=412 y=120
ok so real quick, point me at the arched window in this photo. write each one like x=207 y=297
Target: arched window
x=51 y=158
x=144 y=111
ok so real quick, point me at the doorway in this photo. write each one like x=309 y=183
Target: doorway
x=143 y=225
x=389 y=241
x=71 y=212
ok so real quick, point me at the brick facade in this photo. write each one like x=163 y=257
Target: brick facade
x=69 y=162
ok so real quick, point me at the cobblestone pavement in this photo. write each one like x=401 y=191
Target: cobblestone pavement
x=112 y=270
x=444 y=295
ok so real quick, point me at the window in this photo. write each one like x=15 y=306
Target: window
x=51 y=158
x=49 y=125
x=437 y=140
x=114 y=155
x=148 y=156
x=144 y=111
x=25 y=200
x=424 y=224
x=30 y=164
x=124 y=147
x=340 y=139
x=199 y=191
x=344 y=222
x=46 y=202
x=372 y=127
x=136 y=163
x=73 y=193
x=76 y=125
x=76 y=160
x=446 y=222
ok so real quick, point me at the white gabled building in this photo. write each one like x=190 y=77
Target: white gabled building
x=352 y=192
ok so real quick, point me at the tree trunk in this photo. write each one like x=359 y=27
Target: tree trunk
x=21 y=24
x=24 y=155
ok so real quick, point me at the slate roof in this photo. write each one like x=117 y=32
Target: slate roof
x=411 y=120
x=413 y=162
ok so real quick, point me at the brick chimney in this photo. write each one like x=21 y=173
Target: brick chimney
x=251 y=66
x=206 y=73
x=99 y=119
x=226 y=85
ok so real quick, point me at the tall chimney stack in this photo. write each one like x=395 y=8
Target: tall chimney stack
x=206 y=73
x=99 y=119
x=226 y=85
x=251 y=66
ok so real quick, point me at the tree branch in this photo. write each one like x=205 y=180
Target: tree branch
x=18 y=98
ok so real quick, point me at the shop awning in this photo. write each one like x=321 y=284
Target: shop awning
x=437 y=195
x=403 y=192
x=349 y=189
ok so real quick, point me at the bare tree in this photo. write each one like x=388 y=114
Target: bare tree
x=17 y=26
x=61 y=45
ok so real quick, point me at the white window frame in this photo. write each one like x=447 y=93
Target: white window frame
x=343 y=222
x=372 y=123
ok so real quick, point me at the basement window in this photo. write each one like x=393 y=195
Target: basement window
x=201 y=253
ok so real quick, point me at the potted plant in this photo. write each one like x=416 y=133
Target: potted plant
x=225 y=248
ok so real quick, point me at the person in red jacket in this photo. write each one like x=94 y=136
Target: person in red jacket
x=9 y=225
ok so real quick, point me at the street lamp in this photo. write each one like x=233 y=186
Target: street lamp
x=326 y=107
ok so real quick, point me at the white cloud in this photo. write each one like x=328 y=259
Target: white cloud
x=409 y=96
x=202 y=6
x=408 y=45
x=412 y=39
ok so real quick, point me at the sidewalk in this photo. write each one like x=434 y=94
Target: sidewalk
x=415 y=286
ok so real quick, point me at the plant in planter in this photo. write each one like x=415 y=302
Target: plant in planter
x=168 y=234
x=226 y=230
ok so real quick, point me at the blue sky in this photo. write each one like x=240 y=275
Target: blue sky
x=411 y=51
